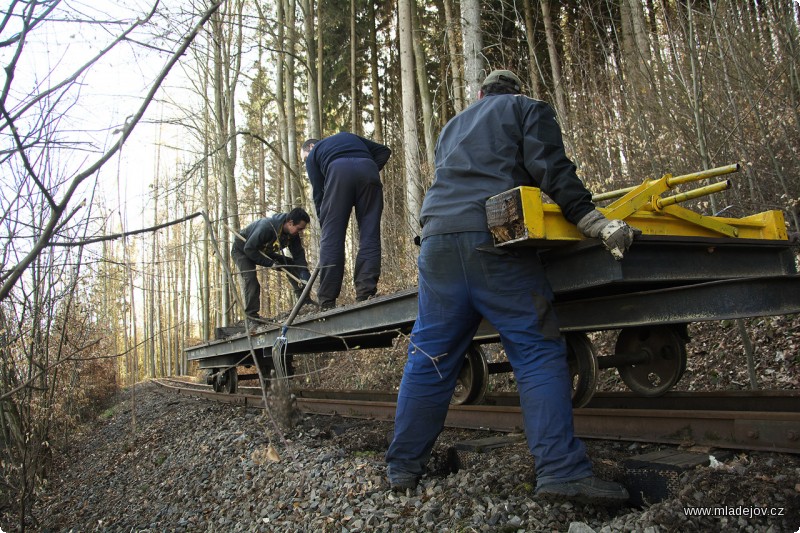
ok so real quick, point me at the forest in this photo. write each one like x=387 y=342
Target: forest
x=90 y=302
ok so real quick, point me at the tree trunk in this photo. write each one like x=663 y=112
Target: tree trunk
x=227 y=67
x=424 y=91
x=555 y=66
x=313 y=128
x=473 y=47
x=377 y=117
x=295 y=188
x=320 y=80
x=354 y=122
x=455 y=60
x=533 y=61
x=206 y=257
x=280 y=99
x=410 y=138
x=697 y=98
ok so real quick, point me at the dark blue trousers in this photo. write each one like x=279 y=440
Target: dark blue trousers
x=350 y=183
x=251 y=288
x=458 y=285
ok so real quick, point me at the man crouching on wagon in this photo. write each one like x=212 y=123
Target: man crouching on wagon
x=261 y=243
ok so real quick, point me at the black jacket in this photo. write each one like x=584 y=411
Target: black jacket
x=498 y=143
x=266 y=235
x=329 y=149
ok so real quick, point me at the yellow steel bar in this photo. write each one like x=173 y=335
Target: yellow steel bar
x=636 y=199
x=659 y=203
x=697 y=219
x=673 y=181
x=673 y=220
x=612 y=194
x=640 y=196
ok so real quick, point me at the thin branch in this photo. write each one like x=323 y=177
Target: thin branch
x=127 y=233
x=75 y=75
x=25 y=161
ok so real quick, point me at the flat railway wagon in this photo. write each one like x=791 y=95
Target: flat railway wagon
x=684 y=268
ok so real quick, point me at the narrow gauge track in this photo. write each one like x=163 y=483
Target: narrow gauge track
x=744 y=420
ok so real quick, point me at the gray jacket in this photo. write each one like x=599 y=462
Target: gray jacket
x=498 y=143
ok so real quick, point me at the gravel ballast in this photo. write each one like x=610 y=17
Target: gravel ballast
x=192 y=464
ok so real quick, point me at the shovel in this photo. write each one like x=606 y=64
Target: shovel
x=279 y=347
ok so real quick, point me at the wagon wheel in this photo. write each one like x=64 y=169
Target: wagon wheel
x=231 y=380
x=216 y=381
x=664 y=352
x=473 y=378
x=583 y=368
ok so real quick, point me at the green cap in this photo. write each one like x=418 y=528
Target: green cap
x=506 y=77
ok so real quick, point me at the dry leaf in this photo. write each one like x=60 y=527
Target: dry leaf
x=272 y=454
x=262 y=455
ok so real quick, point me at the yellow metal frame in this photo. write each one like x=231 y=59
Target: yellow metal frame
x=644 y=208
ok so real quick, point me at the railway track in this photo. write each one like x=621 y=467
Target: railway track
x=743 y=420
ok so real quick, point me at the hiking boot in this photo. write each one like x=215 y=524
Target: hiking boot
x=325 y=305
x=365 y=297
x=590 y=489
x=309 y=306
x=404 y=484
x=253 y=322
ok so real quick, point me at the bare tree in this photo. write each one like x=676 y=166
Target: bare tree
x=49 y=159
x=555 y=66
x=377 y=115
x=455 y=59
x=313 y=129
x=424 y=90
x=410 y=137
x=472 y=39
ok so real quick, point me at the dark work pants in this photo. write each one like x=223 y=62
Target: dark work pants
x=252 y=288
x=350 y=183
x=458 y=285
x=250 y=285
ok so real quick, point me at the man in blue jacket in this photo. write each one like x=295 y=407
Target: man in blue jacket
x=261 y=244
x=344 y=173
x=502 y=141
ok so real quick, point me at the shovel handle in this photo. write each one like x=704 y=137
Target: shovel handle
x=303 y=295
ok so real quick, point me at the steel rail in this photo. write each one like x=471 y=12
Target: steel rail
x=672 y=423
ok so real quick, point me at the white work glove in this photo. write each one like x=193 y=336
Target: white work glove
x=616 y=235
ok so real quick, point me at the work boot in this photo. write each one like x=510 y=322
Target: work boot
x=325 y=305
x=592 y=490
x=253 y=322
x=309 y=306
x=404 y=484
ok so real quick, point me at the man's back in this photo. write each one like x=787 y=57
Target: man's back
x=498 y=143
x=345 y=144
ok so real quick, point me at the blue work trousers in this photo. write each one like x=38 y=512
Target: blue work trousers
x=350 y=183
x=459 y=284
